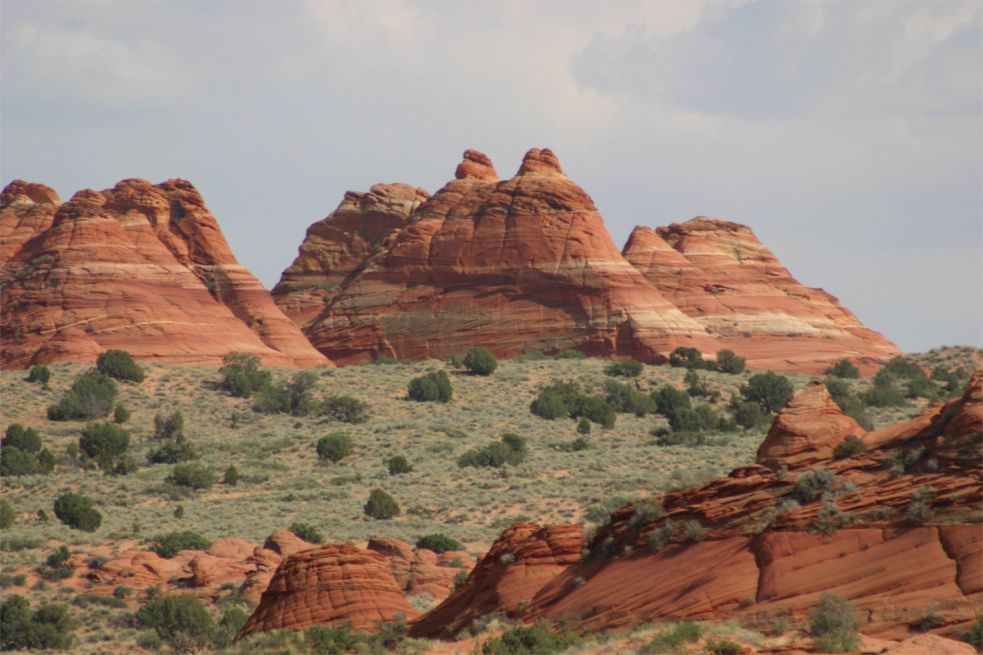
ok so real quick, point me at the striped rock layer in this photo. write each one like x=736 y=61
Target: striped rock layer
x=140 y=267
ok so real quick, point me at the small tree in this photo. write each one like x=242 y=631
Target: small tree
x=17 y=436
x=78 y=512
x=7 y=514
x=748 y=414
x=242 y=375
x=833 y=625
x=345 y=409
x=549 y=405
x=438 y=543
x=432 y=387
x=170 y=427
x=120 y=365
x=688 y=358
x=105 y=444
x=307 y=532
x=624 y=368
x=92 y=395
x=850 y=446
x=170 y=544
x=770 y=390
x=40 y=374
x=480 y=361
x=919 y=510
x=398 y=465
x=381 y=505
x=51 y=627
x=843 y=369
x=121 y=414
x=180 y=620
x=729 y=362
x=194 y=475
x=335 y=447
x=231 y=476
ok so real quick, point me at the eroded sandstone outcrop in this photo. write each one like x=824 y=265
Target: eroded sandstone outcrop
x=140 y=267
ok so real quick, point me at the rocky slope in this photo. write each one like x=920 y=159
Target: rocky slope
x=140 y=267
x=719 y=274
x=895 y=529
x=523 y=264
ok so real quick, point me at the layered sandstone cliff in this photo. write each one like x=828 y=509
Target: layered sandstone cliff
x=140 y=267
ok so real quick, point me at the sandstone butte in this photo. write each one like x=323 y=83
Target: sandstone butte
x=720 y=275
x=516 y=265
x=737 y=548
x=140 y=267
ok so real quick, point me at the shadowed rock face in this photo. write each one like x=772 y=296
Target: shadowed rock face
x=523 y=264
x=727 y=550
x=719 y=274
x=140 y=267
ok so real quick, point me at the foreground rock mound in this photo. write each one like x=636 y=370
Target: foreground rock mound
x=140 y=267
x=719 y=274
x=523 y=264
x=894 y=529
x=330 y=585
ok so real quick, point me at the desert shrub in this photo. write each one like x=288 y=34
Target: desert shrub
x=884 y=392
x=195 y=476
x=332 y=640
x=624 y=368
x=922 y=387
x=690 y=358
x=381 y=505
x=121 y=414
x=174 y=452
x=669 y=400
x=242 y=375
x=695 y=385
x=294 y=397
x=231 y=476
x=673 y=640
x=335 y=447
x=232 y=621
x=625 y=398
x=851 y=405
x=77 y=511
x=7 y=514
x=307 y=532
x=850 y=446
x=645 y=511
x=56 y=566
x=537 y=639
x=17 y=436
x=601 y=513
x=397 y=465
x=843 y=369
x=511 y=449
x=597 y=410
x=729 y=362
x=833 y=625
x=549 y=405
x=432 y=387
x=345 y=409
x=92 y=395
x=770 y=390
x=570 y=354
x=693 y=531
x=21 y=452
x=919 y=509
x=170 y=544
x=39 y=374
x=169 y=427
x=51 y=627
x=105 y=444
x=723 y=647
x=927 y=622
x=828 y=520
x=974 y=635
x=583 y=425
x=814 y=485
x=576 y=445
x=480 y=361
x=902 y=367
x=119 y=364
x=180 y=620
x=438 y=543
x=749 y=414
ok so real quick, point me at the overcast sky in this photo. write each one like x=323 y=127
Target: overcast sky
x=848 y=135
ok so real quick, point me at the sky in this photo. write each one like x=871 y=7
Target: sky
x=848 y=135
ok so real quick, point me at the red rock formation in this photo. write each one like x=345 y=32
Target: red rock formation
x=420 y=571
x=26 y=210
x=519 y=563
x=736 y=547
x=719 y=274
x=806 y=430
x=512 y=265
x=140 y=267
x=328 y=585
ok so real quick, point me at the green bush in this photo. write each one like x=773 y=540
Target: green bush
x=232 y=621
x=335 y=447
x=843 y=369
x=51 y=627
x=438 y=543
x=170 y=427
x=77 y=511
x=749 y=414
x=627 y=399
x=432 y=387
x=597 y=409
x=690 y=358
x=813 y=485
x=307 y=532
x=673 y=640
x=570 y=354
x=669 y=400
x=537 y=639
x=39 y=374
x=170 y=544
x=583 y=425
x=333 y=640
x=768 y=389
x=480 y=361
x=174 y=452
x=242 y=375
x=17 y=436
x=511 y=449
x=195 y=476
x=92 y=395
x=7 y=514
x=884 y=396
x=397 y=465
x=549 y=405
x=729 y=362
x=833 y=625
x=695 y=385
x=231 y=476
x=381 y=505
x=120 y=365
x=180 y=620
x=919 y=509
x=850 y=446
x=624 y=368
x=723 y=647
x=121 y=414
x=345 y=409
x=974 y=635
x=294 y=397
x=21 y=452
x=105 y=444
